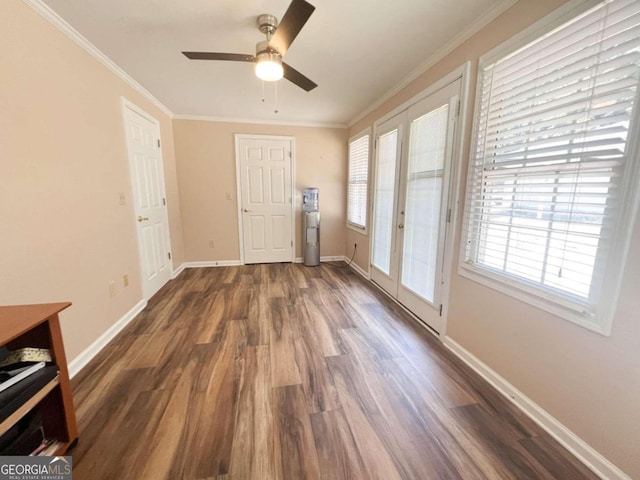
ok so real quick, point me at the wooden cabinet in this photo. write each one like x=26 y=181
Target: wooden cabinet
x=39 y=326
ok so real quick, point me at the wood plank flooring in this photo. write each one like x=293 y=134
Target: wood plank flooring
x=288 y=372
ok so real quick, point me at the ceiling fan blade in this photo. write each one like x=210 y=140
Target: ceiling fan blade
x=296 y=77
x=235 y=57
x=294 y=19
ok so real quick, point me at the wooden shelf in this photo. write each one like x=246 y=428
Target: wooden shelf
x=26 y=407
x=39 y=326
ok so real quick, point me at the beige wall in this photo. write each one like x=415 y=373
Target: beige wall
x=205 y=156
x=63 y=235
x=589 y=382
x=63 y=162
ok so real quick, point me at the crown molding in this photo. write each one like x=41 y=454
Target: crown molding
x=257 y=121
x=57 y=21
x=53 y=18
x=449 y=47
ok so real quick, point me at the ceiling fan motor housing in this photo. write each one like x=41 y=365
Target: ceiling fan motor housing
x=263 y=47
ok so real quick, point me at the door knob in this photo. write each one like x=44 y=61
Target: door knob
x=401 y=226
x=245 y=210
x=142 y=219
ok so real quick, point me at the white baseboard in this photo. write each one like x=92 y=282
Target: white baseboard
x=214 y=263
x=359 y=270
x=92 y=350
x=578 y=447
x=232 y=263
x=335 y=258
x=178 y=271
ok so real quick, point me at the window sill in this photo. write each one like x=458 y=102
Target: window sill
x=356 y=228
x=548 y=302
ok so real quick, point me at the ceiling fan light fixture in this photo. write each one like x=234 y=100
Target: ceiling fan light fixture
x=269 y=66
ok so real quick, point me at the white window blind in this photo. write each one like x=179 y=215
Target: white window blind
x=358 y=174
x=547 y=169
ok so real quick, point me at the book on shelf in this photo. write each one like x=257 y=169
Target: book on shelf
x=25 y=356
x=9 y=376
x=15 y=396
x=24 y=436
x=44 y=446
x=50 y=449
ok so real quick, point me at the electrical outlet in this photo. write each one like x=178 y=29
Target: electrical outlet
x=212 y=244
x=112 y=288
x=125 y=280
x=122 y=199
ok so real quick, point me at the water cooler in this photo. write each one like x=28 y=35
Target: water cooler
x=310 y=227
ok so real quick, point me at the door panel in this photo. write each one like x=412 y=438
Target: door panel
x=258 y=235
x=423 y=202
x=278 y=228
x=384 y=252
x=278 y=189
x=410 y=232
x=147 y=179
x=265 y=191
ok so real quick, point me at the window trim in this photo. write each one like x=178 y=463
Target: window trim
x=561 y=306
x=350 y=225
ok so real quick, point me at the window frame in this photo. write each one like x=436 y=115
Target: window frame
x=363 y=229
x=529 y=292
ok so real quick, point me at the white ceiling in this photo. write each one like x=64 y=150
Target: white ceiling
x=355 y=50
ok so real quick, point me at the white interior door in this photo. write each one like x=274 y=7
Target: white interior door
x=266 y=208
x=411 y=206
x=147 y=179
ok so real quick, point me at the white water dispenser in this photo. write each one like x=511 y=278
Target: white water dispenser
x=310 y=227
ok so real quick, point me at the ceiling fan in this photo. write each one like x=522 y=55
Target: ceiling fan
x=269 y=53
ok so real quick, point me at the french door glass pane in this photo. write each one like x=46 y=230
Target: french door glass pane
x=384 y=195
x=425 y=176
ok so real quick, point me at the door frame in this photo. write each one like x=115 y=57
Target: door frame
x=129 y=105
x=462 y=73
x=292 y=140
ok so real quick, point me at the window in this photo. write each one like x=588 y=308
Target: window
x=358 y=174
x=552 y=178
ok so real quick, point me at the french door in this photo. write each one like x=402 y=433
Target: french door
x=411 y=202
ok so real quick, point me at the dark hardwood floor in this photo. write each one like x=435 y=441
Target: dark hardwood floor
x=288 y=372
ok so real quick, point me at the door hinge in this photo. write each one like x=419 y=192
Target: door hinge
x=169 y=255
x=449 y=216
x=440 y=309
x=158 y=143
x=164 y=201
x=292 y=243
x=458 y=109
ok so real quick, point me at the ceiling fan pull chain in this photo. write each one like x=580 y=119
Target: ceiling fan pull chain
x=275 y=87
x=262 y=82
